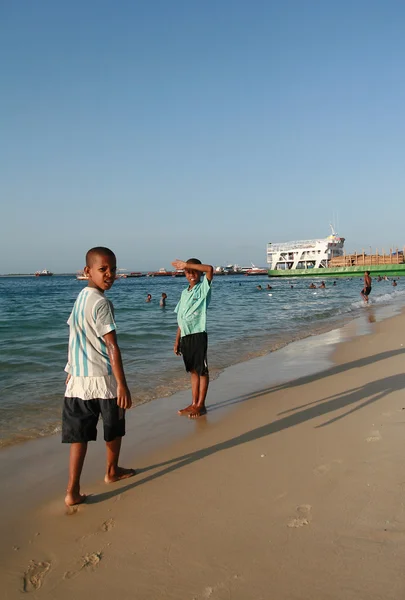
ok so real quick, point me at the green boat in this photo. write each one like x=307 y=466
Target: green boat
x=375 y=271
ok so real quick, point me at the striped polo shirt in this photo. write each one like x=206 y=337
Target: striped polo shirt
x=91 y=318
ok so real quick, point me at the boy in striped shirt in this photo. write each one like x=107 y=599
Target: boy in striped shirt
x=96 y=381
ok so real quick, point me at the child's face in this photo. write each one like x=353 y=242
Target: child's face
x=192 y=276
x=102 y=272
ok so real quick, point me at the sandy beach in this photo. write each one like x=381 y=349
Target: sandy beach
x=292 y=491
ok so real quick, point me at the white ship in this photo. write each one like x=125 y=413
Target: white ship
x=304 y=254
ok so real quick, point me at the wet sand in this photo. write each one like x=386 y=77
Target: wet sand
x=291 y=488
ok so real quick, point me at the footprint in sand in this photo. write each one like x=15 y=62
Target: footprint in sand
x=88 y=561
x=322 y=469
x=34 y=575
x=108 y=525
x=303 y=516
x=375 y=436
x=91 y=560
x=71 y=510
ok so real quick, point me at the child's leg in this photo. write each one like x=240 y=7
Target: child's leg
x=199 y=409
x=114 y=472
x=195 y=387
x=114 y=430
x=204 y=382
x=77 y=455
x=195 y=394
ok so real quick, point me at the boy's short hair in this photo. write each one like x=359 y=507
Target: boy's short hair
x=193 y=261
x=97 y=251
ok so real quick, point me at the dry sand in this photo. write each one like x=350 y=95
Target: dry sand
x=297 y=494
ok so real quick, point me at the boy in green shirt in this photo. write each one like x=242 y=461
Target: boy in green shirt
x=191 y=338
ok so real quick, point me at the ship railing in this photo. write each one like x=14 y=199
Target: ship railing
x=290 y=246
x=363 y=259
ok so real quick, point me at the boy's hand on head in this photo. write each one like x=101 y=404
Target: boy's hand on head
x=124 y=397
x=179 y=264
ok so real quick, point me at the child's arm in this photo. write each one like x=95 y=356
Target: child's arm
x=177 y=342
x=207 y=269
x=123 y=393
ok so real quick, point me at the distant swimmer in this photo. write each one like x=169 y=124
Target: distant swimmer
x=162 y=302
x=148 y=298
x=259 y=287
x=269 y=287
x=365 y=292
x=292 y=287
x=322 y=286
x=394 y=283
x=334 y=283
x=312 y=286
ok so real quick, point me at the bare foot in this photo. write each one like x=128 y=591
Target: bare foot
x=72 y=499
x=187 y=410
x=198 y=411
x=119 y=474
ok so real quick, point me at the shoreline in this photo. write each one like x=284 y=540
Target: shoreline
x=174 y=382
x=278 y=484
x=155 y=424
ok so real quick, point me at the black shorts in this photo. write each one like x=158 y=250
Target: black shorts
x=366 y=291
x=80 y=418
x=194 y=350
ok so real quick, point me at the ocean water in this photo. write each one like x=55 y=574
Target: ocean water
x=243 y=322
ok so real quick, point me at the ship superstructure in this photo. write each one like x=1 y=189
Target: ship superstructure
x=304 y=254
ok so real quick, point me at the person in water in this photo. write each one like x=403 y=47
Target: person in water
x=365 y=292
x=95 y=384
x=191 y=338
x=162 y=302
x=148 y=298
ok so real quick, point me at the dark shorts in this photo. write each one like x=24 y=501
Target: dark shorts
x=194 y=350
x=366 y=291
x=80 y=418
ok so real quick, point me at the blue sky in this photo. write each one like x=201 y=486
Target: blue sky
x=167 y=129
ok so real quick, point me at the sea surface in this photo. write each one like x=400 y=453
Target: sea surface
x=243 y=322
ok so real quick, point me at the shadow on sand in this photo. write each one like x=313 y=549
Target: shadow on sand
x=354 y=399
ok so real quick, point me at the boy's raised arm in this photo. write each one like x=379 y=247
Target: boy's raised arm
x=123 y=394
x=207 y=269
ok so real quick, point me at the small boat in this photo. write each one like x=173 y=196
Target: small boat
x=44 y=273
x=253 y=270
x=135 y=274
x=121 y=274
x=161 y=273
x=81 y=276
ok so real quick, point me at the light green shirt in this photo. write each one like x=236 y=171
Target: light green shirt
x=192 y=308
